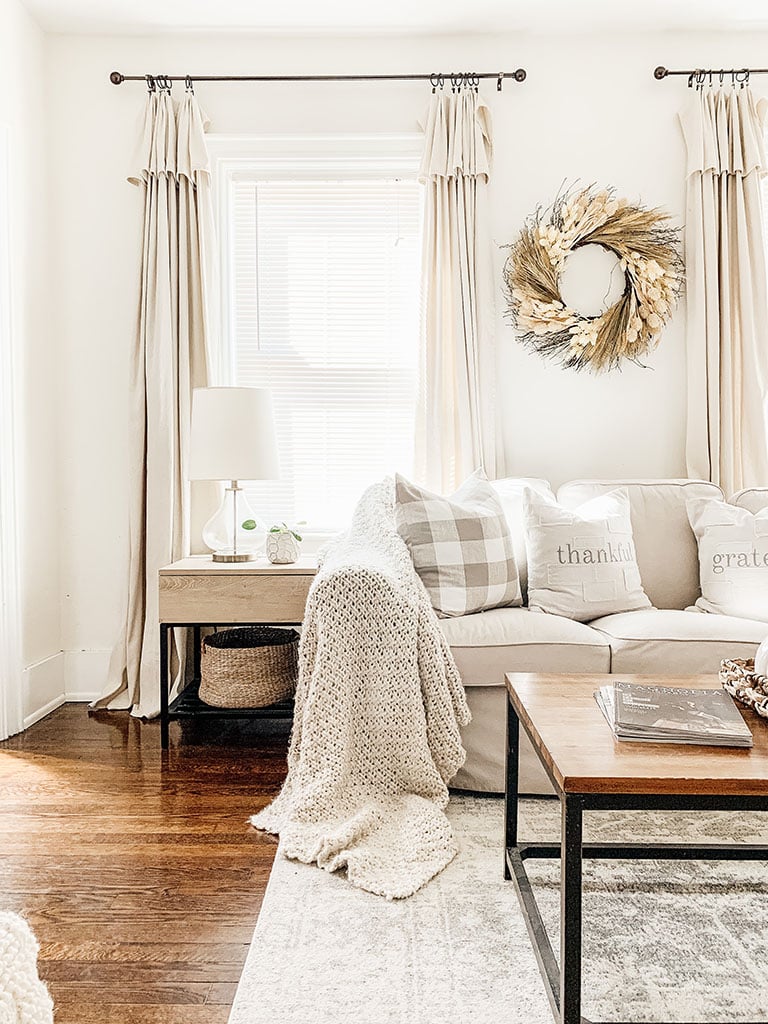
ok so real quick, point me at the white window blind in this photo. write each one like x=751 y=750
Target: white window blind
x=324 y=310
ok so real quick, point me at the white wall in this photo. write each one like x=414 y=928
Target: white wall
x=23 y=113
x=589 y=110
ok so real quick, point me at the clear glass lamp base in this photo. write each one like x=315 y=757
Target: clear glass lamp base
x=233 y=533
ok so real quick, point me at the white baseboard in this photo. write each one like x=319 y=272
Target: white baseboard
x=85 y=674
x=43 y=688
x=67 y=676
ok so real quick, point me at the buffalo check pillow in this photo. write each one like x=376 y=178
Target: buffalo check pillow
x=461 y=546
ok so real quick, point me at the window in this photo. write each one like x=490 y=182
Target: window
x=321 y=279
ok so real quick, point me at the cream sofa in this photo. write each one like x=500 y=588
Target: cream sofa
x=669 y=639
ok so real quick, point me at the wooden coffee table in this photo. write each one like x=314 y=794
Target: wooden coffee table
x=592 y=771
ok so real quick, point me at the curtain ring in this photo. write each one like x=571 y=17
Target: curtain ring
x=742 y=77
x=456 y=80
x=500 y=81
x=189 y=84
x=150 y=83
x=437 y=81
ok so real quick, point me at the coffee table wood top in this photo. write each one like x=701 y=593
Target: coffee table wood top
x=575 y=743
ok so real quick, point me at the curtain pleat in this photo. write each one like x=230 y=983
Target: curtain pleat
x=457 y=430
x=727 y=297
x=170 y=357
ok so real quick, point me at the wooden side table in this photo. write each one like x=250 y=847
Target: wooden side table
x=197 y=592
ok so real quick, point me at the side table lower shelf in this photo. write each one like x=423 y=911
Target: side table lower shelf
x=189 y=705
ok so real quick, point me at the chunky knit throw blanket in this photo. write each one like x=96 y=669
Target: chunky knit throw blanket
x=24 y=998
x=379 y=704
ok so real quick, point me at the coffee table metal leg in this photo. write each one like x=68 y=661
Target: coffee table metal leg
x=570 y=909
x=511 y=787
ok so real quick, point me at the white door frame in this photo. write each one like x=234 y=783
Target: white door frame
x=11 y=681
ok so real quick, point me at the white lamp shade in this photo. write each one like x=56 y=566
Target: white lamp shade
x=232 y=435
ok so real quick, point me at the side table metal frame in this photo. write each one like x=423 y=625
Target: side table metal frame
x=563 y=983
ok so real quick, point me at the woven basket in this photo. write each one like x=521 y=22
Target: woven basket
x=249 y=667
x=741 y=681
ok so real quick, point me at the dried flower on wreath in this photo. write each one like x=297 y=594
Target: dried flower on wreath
x=648 y=248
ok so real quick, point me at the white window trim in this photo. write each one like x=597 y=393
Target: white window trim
x=336 y=156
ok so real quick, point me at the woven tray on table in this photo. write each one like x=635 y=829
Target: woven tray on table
x=742 y=682
x=249 y=667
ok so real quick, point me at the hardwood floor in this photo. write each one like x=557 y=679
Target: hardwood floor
x=141 y=879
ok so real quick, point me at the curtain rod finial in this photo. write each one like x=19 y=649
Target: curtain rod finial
x=520 y=75
x=660 y=72
x=116 y=78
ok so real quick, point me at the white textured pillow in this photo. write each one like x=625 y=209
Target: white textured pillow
x=461 y=546
x=581 y=562
x=733 y=558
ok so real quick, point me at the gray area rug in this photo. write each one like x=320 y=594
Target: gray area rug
x=664 y=941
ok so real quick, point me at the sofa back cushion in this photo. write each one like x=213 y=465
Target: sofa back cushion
x=667 y=553
x=753 y=499
x=510 y=493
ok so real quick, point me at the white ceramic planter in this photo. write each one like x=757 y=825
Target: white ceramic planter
x=282 y=548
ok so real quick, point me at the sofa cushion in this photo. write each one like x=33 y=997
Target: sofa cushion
x=509 y=491
x=491 y=643
x=667 y=553
x=673 y=642
x=754 y=499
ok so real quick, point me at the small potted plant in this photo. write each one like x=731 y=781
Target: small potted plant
x=282 y=544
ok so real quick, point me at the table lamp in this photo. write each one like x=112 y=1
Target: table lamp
x=233 y=438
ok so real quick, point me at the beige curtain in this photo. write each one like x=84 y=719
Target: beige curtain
x=456 y=430
x=727 y=300
x=169 y=359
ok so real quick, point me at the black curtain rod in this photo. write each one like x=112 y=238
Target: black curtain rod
x=698 y=75
x=437 y=80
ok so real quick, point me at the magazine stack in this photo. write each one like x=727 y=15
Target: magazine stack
x=668 y=714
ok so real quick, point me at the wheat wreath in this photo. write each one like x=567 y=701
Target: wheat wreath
x=648 y=248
